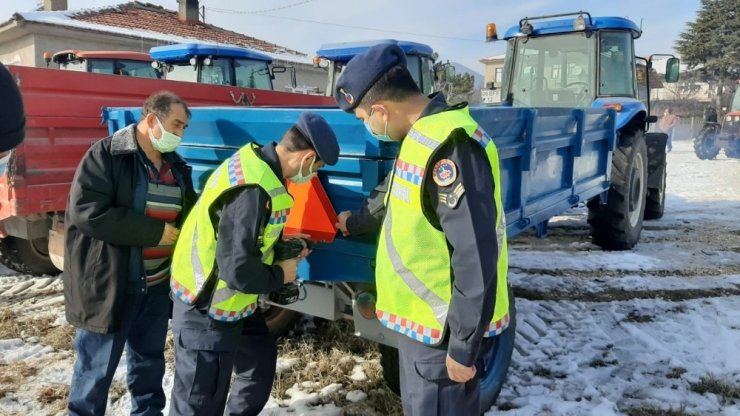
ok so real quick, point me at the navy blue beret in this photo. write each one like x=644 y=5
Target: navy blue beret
x=321 y=136
x=363 y=71
x=12 y=117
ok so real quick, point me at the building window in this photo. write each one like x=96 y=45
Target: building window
x=555 y=72
x=498 y=76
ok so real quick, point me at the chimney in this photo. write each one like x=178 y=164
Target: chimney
x=188 y=11
x=54 y=5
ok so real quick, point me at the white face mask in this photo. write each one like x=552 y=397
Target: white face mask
x=299 y=177
x=4 y=163
x=167 y=143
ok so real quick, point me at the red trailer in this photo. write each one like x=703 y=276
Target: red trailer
x=63 y=118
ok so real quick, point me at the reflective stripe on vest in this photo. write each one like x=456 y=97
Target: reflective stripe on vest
x=194 y=260
x=413 y=270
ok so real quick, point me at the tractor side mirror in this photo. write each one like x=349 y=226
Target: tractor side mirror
x=672 y=69
x=450 y=73
x=444 y=72
x=278 y=69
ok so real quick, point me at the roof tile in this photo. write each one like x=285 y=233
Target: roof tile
x=146 y=16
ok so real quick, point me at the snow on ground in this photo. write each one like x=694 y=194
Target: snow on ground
x=649 y=330
x=581 y=358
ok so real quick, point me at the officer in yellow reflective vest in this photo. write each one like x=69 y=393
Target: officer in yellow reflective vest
x=222 y=263
x=442 y=261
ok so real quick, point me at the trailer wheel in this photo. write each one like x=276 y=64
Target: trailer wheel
x=655 y=201
x=617 y=224
x=27 y=256
x=279 y=320
x=497 y=364
x=390 y=363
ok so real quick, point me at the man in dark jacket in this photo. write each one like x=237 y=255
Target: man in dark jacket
x=12 y=117
x=129 y=195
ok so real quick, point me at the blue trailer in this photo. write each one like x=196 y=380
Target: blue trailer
x=551 y=158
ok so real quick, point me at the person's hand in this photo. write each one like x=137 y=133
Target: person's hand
x=342 y=222
x=306 y=251
x=458 y=372
x=169 y=235
x=290 y=269
x=304 y=236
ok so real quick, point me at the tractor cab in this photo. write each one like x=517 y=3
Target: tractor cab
x=578 y=62
x=215 y=64
x=420 y=60
x=134 y=64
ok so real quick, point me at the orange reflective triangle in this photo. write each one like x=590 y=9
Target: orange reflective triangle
x=312 y=212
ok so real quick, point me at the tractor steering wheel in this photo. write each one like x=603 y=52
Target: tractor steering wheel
x=580 y=93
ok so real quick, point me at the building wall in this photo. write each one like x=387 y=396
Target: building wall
x=702 y=93
x=56 y=42
x=307 y=77
x=18 y=51
x=493 y=72
x=489 y=73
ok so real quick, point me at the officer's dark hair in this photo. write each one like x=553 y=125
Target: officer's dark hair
x=160 y=103
x=295 y=141
x=395 y=85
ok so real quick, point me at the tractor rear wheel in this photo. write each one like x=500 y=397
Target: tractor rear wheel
x=705 y=145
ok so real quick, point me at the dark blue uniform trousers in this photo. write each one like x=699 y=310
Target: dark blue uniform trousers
x=426 y=389
x=206 y=353
x=143 y=332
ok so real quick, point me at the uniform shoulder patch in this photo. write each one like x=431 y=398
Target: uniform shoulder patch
x=445 y=172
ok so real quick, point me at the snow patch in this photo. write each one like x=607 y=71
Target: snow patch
x=284 y=364
x=330 y=389
x=358 y=374
x=356 y=395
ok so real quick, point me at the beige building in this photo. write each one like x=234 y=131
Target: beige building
x=133 y=26
x=494 y=70
x=492 y=79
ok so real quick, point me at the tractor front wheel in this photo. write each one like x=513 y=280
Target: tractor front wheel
x=617 y=224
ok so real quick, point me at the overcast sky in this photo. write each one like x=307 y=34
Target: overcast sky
x=455 y=29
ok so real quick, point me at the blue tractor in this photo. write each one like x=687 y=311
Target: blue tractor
x=215 y=64
x=421 y=61
x=573 y=60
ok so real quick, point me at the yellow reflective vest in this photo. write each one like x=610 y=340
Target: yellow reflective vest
x=413 y=267
x=194 y=260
